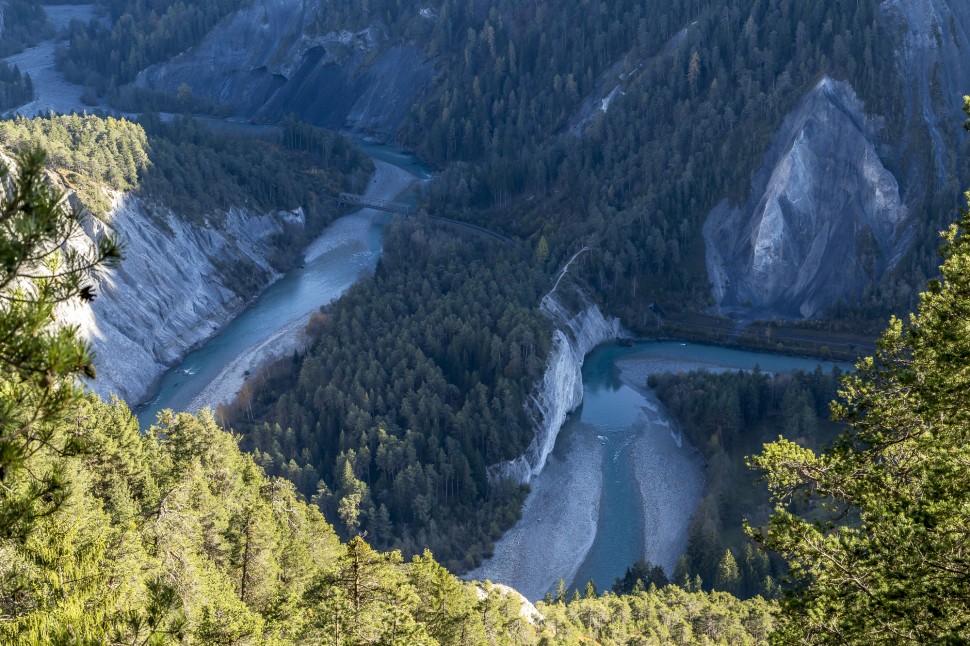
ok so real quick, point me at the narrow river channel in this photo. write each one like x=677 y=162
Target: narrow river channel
x=272 y=325
x=622 y=482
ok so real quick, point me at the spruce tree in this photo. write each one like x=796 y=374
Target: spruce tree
x=885 y=556
x=728 y=576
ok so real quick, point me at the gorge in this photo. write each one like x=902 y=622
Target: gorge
x=479 y=378
x=271 y=326
x=622 y=482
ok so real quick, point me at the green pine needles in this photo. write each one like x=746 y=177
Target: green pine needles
x=883 y=555
x=40 y=361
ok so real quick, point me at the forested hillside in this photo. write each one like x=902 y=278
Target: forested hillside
x=616 y=124
x=416 y=380
x=696 y=91
x=186 y=166
x=114 y=534
x=107 y=53
x=24 y=24
x=172 y=535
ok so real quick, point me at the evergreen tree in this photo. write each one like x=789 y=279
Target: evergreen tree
x=561 y=591
x=728 y=576
x=641 y=575
x=889 y=563
x=447 y=607
x=40 y=360
x=367 y=601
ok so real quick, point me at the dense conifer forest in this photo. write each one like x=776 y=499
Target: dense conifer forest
x=24 y=25
x=15 y=88
x=695 y=91
x=301 y=513
x=186 y=166
x=694 y=107
x=173 y=535
x=112 y=48
x=413 y=383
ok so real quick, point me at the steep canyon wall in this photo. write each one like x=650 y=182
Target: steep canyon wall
x=174 y=289
x=271 y=59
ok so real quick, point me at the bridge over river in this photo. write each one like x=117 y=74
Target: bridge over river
x=407 y=210
x=373 y=203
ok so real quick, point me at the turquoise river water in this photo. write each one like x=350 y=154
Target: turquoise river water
x=348 y=248
x=620 y=410
x=621 y=483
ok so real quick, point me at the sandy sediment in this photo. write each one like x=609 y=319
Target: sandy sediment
x=52 y=91
x=387 y=182
x=668 y=469
x=229 y=382
x=670 y=475
x=560 y=516
x=558 y=522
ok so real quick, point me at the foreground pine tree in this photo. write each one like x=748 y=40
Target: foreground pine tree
x=39 y=360
x=884 y=554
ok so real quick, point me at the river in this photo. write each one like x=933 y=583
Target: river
x=272 y=325
x=621 y=482
x=52 y=92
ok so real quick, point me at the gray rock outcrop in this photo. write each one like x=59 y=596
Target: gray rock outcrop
x=931 y=40
x=824 y=217
x=173 y=290
x=269 y=60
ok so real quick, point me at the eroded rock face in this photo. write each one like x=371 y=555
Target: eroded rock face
x=824 y=217
x=932 y=44
x=173 y=290
x=575 y=335
x=268 y=60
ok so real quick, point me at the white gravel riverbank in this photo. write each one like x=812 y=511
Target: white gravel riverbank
x=387 y=182
x=52 y=92
x=558 y=522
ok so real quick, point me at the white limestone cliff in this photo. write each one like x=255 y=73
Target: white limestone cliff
x=173 y=290
x=561 y=391
x=824 y=217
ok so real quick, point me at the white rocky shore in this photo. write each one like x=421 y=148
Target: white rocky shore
x=52 y=92
x=387 y=182
x=172 y=291
x=567 y=497
x=574 y=336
